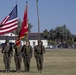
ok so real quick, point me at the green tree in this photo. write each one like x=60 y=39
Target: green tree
x=45 y=33
x=19 y=27
x=63 y=33
x=59 y=34
x=52 y=34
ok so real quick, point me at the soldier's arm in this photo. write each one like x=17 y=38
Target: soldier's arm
x=31 y=51
x=2 y=49
x=11 y=50
x=43 y=49
x=35 y=52
x=14 y=46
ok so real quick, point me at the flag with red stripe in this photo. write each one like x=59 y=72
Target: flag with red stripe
x=18 y=42
x=24 y=28
x=10 y=22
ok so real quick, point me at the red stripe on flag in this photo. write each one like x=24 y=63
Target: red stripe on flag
x=10 y=22
x=5 y=20
x=9 y=31
x=8 y=27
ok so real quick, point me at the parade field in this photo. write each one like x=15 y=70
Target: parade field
x=56 y=62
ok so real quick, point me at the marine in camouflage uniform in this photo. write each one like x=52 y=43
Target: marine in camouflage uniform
x=27 y=55
x=18 y=57
x=8 y=53
x=39 y=50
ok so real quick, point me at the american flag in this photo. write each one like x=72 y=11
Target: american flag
x=10 y=22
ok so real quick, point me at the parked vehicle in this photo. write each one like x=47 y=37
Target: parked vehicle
x=50 y=46
x=62 y=46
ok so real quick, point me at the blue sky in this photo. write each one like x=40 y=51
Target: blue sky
x=52 y=13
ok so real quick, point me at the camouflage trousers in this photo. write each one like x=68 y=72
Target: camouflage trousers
x=7 y=62
x=18 y=63
x=26 y=61
x=39 y=62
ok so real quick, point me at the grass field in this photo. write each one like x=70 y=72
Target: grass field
x=56 y=62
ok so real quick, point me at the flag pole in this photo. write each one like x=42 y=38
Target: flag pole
x=17 y=28
x=27 y=23
x=38 y=20
x=27 y=26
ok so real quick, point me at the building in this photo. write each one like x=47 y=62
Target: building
x=33 y=38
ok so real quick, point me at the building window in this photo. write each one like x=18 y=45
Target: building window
x=33 y=43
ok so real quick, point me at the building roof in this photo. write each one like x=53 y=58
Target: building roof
x=32 y=36
x=7 y=37
x=35 y=36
